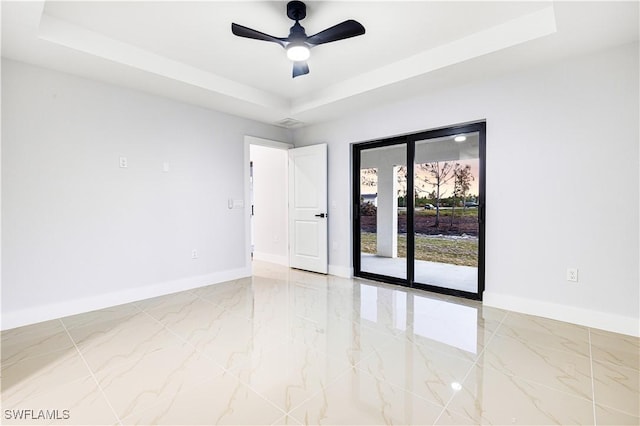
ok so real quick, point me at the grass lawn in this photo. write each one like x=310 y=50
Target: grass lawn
x=456 y=252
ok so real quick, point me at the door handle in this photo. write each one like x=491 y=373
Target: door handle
x=322 y=215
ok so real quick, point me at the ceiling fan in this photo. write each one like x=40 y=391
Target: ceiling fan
x=298 y=44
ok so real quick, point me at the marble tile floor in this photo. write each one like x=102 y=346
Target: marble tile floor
x=291 y=347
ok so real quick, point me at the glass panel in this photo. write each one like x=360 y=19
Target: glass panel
x=446 y=177
x=383 y=213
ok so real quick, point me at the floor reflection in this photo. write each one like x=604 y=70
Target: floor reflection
x=450 y=323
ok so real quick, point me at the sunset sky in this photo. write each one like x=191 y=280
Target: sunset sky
x=445 y=190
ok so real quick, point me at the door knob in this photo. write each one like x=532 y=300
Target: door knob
x=322 y=215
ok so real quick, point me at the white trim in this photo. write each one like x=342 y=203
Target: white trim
x=271 y=258
x=252 y=140
x=581 y=316
x=340 y=271
x=51 y=311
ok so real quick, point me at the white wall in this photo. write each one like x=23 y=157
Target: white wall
x=562 y=182
x=80 y=233
x=270 y=188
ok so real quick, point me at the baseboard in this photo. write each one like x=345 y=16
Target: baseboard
x=340 y=271
x=51 y=311
x=586 y=317
x=271 y=258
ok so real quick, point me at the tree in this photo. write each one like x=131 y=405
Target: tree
x=462 y=178
x=369 y=177
x=402 y=187
x=402 y=181
x=463 y=182
x=437 y=175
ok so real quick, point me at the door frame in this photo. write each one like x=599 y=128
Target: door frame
x=409 y=140
x=248 y=141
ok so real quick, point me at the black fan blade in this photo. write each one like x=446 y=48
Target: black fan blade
x=300 y=68
x=241 y=31
x=346 y=29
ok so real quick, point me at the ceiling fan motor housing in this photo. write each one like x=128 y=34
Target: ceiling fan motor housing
x=296 y=10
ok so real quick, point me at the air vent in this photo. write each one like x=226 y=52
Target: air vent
x=290 y=123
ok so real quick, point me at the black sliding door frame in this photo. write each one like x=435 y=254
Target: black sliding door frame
x=357 y=148
x=410 y=142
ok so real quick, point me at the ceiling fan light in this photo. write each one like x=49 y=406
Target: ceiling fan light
x=298 y=52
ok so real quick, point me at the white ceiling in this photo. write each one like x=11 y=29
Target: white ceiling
x=185 y=50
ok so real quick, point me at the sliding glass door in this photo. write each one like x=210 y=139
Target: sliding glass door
x=383 y=215
x=446 y=223
x=419 y=210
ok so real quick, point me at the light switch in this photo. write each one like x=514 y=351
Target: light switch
x=165 y=166
x=235 y=204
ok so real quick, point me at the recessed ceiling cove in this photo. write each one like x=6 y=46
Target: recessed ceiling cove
x=186 y=51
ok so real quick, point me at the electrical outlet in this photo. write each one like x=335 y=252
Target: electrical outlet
x=123 y=162
x=572 y=274
x=194 y=254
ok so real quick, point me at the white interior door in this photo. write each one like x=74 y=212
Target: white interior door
x=308 y=208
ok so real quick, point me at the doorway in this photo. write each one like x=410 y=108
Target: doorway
x=266 y=190
x=419 y=203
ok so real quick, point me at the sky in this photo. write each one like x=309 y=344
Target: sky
x=446 y=190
